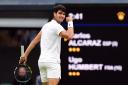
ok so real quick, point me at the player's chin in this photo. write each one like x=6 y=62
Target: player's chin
x=61 y=20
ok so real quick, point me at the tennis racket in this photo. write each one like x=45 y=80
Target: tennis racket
x=22 y=72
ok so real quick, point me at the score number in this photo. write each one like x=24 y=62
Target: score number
x=76 y=16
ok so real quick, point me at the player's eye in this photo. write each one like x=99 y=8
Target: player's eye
x=60 y=12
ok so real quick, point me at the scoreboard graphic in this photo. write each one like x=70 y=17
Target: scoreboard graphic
x=97 y=54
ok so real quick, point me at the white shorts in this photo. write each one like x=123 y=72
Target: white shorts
x=49 y=70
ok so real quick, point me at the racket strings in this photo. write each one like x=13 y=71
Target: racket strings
x=22 y=73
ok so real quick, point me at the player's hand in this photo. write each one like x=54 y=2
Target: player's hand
x=69 y=19
x=22 y=60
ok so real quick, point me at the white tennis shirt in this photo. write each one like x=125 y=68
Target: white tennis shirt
x=50 y=42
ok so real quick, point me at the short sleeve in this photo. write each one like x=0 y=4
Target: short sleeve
x=59 y=29
x=42 y=28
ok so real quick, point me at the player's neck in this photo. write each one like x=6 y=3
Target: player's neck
x=56 y=21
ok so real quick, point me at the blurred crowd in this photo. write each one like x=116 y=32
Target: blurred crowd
x=13 y=38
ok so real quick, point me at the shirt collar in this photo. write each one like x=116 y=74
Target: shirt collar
x=54 y=21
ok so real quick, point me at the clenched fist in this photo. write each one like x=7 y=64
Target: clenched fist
x=69 y=19
x=22 y=60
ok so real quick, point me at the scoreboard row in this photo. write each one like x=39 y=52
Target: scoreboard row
x=98 y=13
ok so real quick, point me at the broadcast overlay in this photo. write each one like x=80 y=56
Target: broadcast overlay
x=98 y=50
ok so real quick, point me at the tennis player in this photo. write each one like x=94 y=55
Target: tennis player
x=50 y=42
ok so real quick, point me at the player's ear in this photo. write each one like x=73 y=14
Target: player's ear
x=54 y=14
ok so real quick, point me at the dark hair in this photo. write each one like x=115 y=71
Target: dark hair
x=55 y=9
x=59 y=7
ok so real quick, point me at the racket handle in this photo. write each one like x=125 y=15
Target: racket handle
x=22 y=50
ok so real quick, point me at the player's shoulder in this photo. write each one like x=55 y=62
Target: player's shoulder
x=46 y=23
x=52 y=24
x=49 y=23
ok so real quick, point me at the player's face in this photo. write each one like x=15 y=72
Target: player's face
x=59 y=16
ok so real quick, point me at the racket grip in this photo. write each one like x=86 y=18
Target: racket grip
x=22 y=50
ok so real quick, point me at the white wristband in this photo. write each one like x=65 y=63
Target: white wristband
x=70 y=24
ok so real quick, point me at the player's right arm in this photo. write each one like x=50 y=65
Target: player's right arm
x=34 y=42
x=69 y=33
